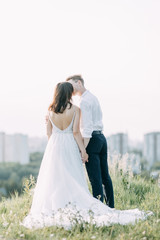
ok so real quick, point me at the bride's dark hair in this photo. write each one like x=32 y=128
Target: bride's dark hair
x=62 y=97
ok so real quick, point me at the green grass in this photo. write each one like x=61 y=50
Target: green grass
x=130 y=192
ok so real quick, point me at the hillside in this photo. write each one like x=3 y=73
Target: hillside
x=130 y=192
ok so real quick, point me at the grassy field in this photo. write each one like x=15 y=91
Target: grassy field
x=130 y=192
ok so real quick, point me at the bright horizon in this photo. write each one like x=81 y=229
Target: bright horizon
x=113 y=44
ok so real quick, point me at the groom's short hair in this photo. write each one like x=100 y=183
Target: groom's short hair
x=76 y=78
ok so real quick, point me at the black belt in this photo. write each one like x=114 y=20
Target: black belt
x=96 y=132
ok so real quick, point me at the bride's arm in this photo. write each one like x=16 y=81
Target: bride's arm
x=78 y=136
x=48 y=128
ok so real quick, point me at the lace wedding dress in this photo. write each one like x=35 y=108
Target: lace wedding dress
x=61 y=196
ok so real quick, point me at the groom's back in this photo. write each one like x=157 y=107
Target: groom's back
x=91 y=114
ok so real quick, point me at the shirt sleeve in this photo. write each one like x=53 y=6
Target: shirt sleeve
x=86 y=119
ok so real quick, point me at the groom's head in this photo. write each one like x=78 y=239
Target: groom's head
x=77 y=83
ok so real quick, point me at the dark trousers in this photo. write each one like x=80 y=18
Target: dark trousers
x=97 y=168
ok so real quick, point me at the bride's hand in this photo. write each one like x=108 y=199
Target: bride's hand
x=84 y=156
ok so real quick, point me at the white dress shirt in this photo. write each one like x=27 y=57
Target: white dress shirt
x=91 y=114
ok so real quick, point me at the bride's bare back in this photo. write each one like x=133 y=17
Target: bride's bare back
x=63 y=120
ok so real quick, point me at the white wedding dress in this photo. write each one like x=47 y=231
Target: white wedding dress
x=61 y=196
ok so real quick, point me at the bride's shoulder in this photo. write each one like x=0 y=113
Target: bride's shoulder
x=50 y=113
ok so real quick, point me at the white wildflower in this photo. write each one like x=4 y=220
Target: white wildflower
x=93 y=237
x=21 y=235
x=5 y=224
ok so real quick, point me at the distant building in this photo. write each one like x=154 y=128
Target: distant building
x=2 y=149
x=37 y=144
x=118 y=143
x=14 y=148
x=152 y=148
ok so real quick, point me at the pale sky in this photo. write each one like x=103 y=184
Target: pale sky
x=114 y=44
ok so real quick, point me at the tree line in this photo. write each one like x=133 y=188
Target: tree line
x=12 y=175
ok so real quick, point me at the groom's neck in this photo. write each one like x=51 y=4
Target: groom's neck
x=81 y=91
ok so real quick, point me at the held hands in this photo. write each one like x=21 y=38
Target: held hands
x=84 y=156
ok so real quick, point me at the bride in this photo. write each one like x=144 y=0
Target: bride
x=61 y=196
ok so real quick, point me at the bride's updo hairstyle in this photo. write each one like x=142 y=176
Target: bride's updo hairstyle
x=62 y=97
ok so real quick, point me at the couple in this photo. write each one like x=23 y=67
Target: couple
x=61 y=196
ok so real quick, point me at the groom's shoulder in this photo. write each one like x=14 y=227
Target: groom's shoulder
x=93 y=97
x=89 y=94
x=89 y=97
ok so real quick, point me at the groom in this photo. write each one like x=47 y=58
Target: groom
x=94 y=141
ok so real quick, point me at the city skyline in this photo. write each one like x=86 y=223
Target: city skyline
x=18 y=147
x=113 y=44
x=14 y=148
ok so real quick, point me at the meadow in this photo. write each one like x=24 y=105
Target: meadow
x=130 y=192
